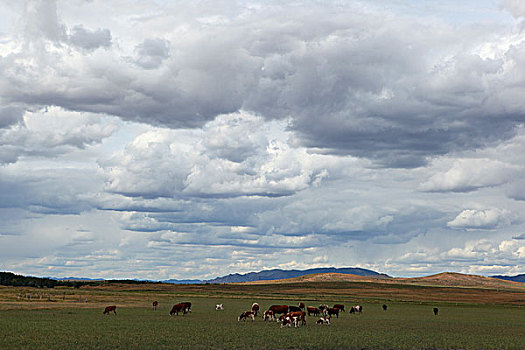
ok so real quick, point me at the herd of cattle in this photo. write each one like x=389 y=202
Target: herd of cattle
x=294 y=315
x=288 y=314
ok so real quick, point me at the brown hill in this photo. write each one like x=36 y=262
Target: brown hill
x=445 y=279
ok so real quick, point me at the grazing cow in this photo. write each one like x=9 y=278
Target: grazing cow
x=341 y=307
x=333 y=311
x=181 y=307
x=255 y=309
x=293 y=317
x=301 y=306
x=384 y=307
x=356 y=309
x=108 y=309
x=324 y=320
x=279 y=309
x=294 y=308
x=219 y=307
x=269 y=315
x=245 y=315
x=187 y=305
x=155 y=304
x=313 y=310
x=436 y=310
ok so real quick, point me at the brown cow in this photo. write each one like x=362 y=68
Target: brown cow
x=108 y=309
x=313 y=310
x=155 y=304
x=301 y=306
x=255 y=308
x=279 y=309
x=333 y=311
x=181 y=307
x=245 y=315
x=293 y=308
x=341 y=307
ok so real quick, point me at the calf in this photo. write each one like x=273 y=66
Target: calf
x=255 y=308
x=108 y=309
x=269 y=315
x=313 y=310
x=155 y=304
x=436 y=310
x=341 y=307
x=324 y=320
x=245 y=315
x=219 y=307
x=333 y=311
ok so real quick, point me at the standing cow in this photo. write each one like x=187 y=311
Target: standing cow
x=384 y=307
x=436 y=310
x=219 y=307
x=301 y=306
x=313 y=310
x=181 y=307
x=356 y=309
x=341 y=307
x=333 y=311
x=155 y=304
x=279 y=309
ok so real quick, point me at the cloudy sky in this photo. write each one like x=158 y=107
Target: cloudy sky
x=192 y=139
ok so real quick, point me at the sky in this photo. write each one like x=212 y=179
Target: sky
x=193 y=139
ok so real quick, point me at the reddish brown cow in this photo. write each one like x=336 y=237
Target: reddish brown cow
x=313 y=310
x=333 y=311
x=181 y=307
x=279 y=309
x=108 y=309
x=341 y=307
x=155 y=304
x=255 y=309
x=301 y=306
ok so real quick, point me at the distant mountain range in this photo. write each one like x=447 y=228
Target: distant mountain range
x=517 y=278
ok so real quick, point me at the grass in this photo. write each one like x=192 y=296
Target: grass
x=137 y=326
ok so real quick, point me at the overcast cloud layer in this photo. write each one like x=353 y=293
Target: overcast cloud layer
x=143 y=139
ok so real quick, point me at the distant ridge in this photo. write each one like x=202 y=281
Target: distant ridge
x=278 y=274
x=517 y=278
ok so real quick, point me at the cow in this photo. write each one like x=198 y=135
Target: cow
x=219 y=307
x=294 y=308
x=384 y=307
x=188 y=306
x=324 y=320
x=341 y=307
x=155 y=304
x=269 y=315
x=181 y=307
x=301 y=306
x=255 y=308
x=293 y=317
x=245 y=315
x=333 y=311
x=323 y=308
x=108 y=309
x=436 y=310
x=313 y=310
x=356 y=309
x=279 y=309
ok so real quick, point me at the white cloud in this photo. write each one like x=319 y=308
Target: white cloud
x=481 y=219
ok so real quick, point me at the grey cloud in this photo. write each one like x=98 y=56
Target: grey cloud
x=90 y=39
x=152 y=52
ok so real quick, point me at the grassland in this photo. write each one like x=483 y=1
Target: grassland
x=469 y=318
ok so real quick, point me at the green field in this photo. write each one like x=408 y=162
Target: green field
x=403 y=325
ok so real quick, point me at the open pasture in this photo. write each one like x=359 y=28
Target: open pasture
x=406 y=325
